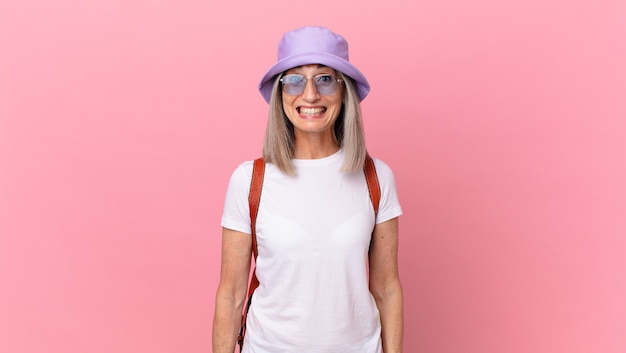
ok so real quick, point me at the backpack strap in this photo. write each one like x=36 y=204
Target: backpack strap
x=254 y=199
x=372 y=182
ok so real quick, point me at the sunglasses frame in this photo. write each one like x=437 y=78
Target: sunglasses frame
x=289 y=88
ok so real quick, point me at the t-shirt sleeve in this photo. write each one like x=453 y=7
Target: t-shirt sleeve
x=236 y=214
x=389 y=206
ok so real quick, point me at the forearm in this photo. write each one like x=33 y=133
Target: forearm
x=391 y=318
x=226 y=325
x=232 y=289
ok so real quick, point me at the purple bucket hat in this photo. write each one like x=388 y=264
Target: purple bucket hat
x=313 y=45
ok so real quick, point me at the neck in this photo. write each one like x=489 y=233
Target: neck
x=315 y=146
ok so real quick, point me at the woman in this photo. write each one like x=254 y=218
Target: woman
x=327 y=264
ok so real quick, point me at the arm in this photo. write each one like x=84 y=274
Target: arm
x=385 y=283
x=232 y=289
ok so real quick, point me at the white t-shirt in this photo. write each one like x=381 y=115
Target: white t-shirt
x=313 y=236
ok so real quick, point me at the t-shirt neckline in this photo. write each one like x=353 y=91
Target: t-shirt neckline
x=319 y=161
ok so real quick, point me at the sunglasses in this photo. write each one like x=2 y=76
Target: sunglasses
x=325 y=84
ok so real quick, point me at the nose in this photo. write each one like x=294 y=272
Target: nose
x=310 y=93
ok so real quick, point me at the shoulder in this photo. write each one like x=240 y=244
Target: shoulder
x=383 y=170
x=242 y=175
x=389 y=202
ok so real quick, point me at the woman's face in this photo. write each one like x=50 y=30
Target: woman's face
x=311 y=111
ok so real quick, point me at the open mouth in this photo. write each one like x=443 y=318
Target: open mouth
x=311 y=111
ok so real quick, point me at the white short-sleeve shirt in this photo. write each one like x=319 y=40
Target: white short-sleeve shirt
x=313 y=236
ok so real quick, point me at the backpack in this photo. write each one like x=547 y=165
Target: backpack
x=254 y=198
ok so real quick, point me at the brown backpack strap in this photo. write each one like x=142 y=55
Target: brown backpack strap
x=372 y=182
x=254 y=199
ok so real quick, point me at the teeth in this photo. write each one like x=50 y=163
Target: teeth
x=311 y=111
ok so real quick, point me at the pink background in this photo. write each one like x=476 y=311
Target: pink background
x=504 y=121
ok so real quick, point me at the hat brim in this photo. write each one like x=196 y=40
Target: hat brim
x=337 y=63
